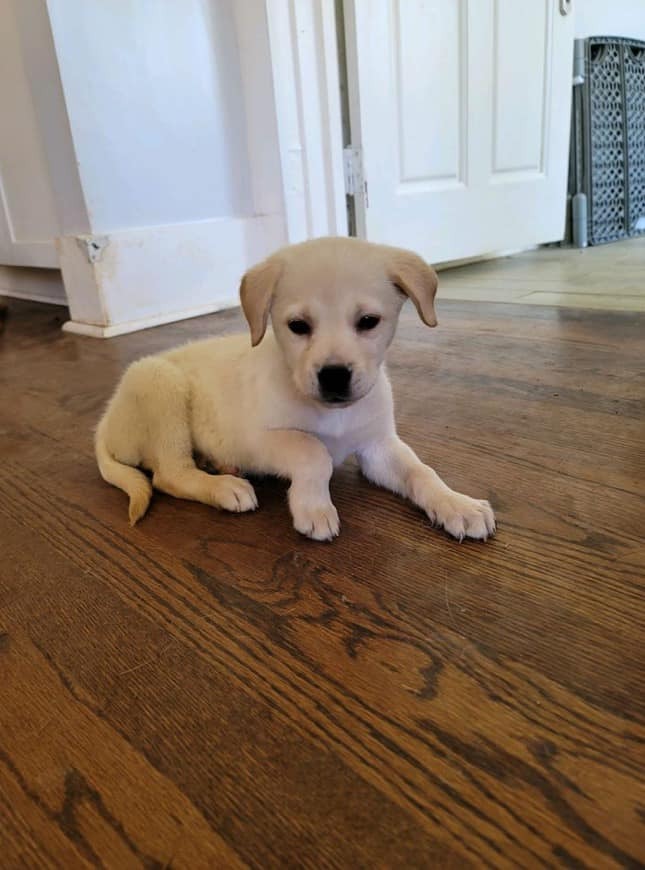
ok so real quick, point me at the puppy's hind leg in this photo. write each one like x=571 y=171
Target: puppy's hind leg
x=157 y=394
x=183 y=479
x=172 y=460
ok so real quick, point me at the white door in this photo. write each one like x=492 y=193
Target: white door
x=462 y=109
x=28 y=216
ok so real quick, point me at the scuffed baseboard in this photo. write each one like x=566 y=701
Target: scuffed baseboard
x=134 y=279
x=35 y=285
x=125 y=327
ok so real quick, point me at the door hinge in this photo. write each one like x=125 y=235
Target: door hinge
x=353 y=166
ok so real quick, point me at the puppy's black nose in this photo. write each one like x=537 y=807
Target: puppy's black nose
x=334 y=383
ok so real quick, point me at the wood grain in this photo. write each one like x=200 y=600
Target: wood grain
x=209 y=690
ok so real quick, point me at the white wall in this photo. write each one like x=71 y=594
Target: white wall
x=187 y=162
x=155 y=95
x=41 y=68
x=40 y=192
x=609 y=18
x=154 y=98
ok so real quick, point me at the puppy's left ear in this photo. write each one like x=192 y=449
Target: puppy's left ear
x=256 y=295
x=414 y=277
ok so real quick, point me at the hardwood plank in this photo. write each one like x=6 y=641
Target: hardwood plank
x=606 y=276
x=27 y=837
x=235 y=644
x=231 y=693
x=77 y=790
x=203 y=725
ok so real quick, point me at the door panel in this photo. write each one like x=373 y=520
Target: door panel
x=28 y=216
x=461 y=109
x=427 y=77
x=520 y=75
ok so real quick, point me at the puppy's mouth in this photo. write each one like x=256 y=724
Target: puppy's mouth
x=337 y=401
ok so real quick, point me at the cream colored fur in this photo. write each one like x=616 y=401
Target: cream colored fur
x=260 y=409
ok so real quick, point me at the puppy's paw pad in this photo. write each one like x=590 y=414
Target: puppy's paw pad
x=234 y=494
x=464 y=517
x=318 y=522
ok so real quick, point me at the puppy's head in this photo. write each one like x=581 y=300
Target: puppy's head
x=334 y=305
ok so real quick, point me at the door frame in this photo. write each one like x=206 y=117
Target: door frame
x=306 y=93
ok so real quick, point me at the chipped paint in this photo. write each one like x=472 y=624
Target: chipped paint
x=93 y=246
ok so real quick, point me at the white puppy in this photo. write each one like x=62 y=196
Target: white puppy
x=300 y=400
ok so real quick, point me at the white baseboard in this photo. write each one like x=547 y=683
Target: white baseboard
x=94 y=331
x=134 y=279
x=493 y=255
x=35 y=285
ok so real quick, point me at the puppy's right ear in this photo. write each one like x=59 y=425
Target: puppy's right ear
x=416 y=279
x=256 y=294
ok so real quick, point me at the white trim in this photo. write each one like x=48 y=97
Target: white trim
x=259 y=106
x=33 y=297
x=304 y=62
x=444 y=265
x=94 y=331
x=142 y=277
x=38 y=255
x=354 y=105
x=32 y=284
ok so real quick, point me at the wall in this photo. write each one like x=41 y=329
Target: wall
x=609 y=18
x=205 y=133
x=155 y=92
x=40 y=192
x=154 y=98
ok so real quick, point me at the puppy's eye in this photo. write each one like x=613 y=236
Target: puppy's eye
x=299 y=327
x=367 y=322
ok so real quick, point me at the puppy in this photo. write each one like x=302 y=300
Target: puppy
x=297 y=402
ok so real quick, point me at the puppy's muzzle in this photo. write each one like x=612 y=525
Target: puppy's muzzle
x=335 y=383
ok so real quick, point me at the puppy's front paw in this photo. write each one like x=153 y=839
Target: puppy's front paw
x=462 y=516
x=317 y=521
x=233 y=494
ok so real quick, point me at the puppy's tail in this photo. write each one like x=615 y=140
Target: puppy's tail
x=127 y=478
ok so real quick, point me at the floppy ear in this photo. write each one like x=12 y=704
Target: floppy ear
x=414 y=277
x=256 y=294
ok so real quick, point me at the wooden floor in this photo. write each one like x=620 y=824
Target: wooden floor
x=608 y=277
x=211 y=690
